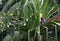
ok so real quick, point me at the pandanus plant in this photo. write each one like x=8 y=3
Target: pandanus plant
x=26 y=18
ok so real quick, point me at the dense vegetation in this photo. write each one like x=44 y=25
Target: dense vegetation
x=26 y=20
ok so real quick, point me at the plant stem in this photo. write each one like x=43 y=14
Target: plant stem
x=28 y=35
x=35 y=34
x=47 y=33
x=38 y=32
x=56 y=33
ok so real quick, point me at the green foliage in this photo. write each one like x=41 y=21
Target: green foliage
x=24 y=17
